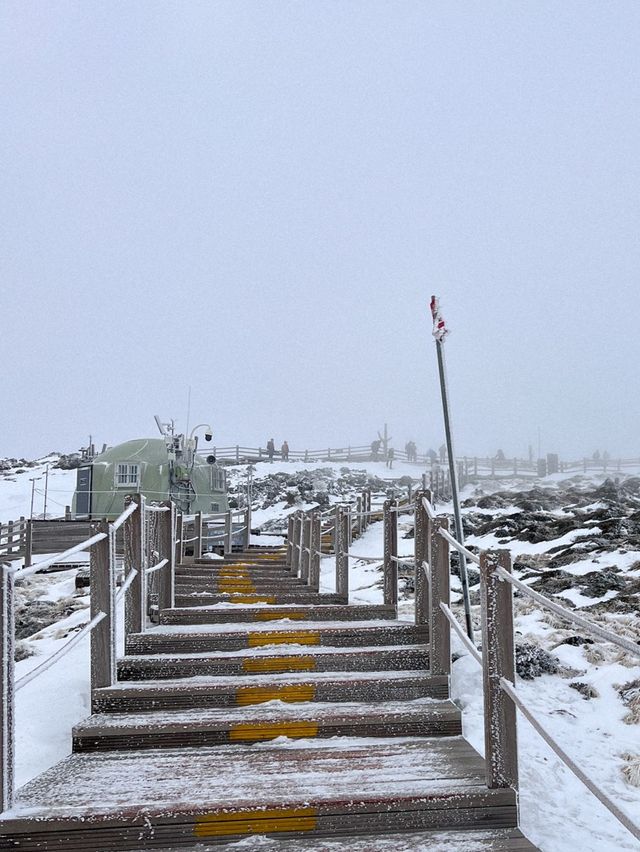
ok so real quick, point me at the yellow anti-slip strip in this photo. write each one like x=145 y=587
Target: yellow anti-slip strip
x=277 y=614
x=236 y=586
x=252 y=731
x=258 y=822
x=246 y=695
x=258 y=665
x=283 y=637
x=253 y=599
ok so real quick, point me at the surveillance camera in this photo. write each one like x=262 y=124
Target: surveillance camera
x=208 y=436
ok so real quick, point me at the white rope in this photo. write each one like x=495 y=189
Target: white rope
x=21 y=573
x=428 y=509
x=157 y=567
x=403 y=560
x=472 y=557
x=585 y=623
x=131 y=508
x=123 y=588
x=189 y=540
x=402 y=509
x=23 y=681
x=366 y=558
x=157 y=509
x=564 y=757
x=468 y=644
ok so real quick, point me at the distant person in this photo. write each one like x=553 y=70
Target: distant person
x=443 y=454
x=284 y=451
x=414 y=452
x=596 y=455
x=432 y=455
x=499 y=455
x=375 y=449
x=390 y=455
x=411 y=451
x=271 y=448
x=605 y=456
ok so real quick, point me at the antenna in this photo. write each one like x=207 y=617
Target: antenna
x=186 y=431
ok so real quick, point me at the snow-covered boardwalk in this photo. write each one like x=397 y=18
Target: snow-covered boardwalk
x=290 y=714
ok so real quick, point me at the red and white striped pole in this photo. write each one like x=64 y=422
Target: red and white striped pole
x=440 y=331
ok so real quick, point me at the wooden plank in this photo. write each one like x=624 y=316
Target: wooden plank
x=103 y=585
x=439 y=592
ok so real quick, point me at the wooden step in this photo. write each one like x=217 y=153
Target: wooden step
x=258 y=661
x=133 y=696
x=177 y=797
x=246 y=725
x=178 y=639
x=304 y=596
x=303 y=612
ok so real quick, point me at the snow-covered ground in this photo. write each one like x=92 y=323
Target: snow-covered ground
x=600 y=731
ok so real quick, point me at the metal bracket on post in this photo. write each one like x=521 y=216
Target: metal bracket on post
x=103 y=599
x=498 y=661
x=7 y=689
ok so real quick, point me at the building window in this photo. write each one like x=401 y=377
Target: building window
x=215 y=507
x=218 y=481
x=127 y=475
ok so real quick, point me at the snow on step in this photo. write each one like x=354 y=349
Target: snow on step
x=422 y=717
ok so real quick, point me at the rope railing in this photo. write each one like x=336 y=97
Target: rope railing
x=586 y=624
x=472 y=557
x=153 y=568
x=428 y=507
x=153 y=509
x=460 y=633
x=131 y=508
x=131 y=576
x=23 y=573
x=610 y=805
x=60 y=653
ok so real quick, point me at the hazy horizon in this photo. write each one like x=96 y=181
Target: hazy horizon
x=257 y=200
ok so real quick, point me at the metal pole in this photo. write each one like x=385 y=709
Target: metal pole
x=452 y=469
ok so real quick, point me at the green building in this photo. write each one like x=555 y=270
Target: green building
x=166 y=468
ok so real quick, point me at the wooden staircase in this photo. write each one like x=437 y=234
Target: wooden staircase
x=258 y=706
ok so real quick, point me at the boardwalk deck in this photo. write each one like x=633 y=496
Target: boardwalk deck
x=295 y=717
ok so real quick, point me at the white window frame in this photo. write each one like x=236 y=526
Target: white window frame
x=127 y=475
x=217 y=479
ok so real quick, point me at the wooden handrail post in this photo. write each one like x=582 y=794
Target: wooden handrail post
x=359 y=525
x=389 y=565
x=28 y=544
x=197 y=548
x=166 y=584
x=305 y=561
x=439 y=592
x=498 y=661
x=103 y=599
x=290 y=542
x=7 y=689
x=179 y=538
x=227 y=532
x=316 y=545
x=134 y=603
x=342 y=556
x=247 y=528
x=296 y=544
x=422 y=553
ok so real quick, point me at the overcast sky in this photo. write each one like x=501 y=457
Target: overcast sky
x=257 y=200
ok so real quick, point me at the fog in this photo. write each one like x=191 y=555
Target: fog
x=256 y=200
